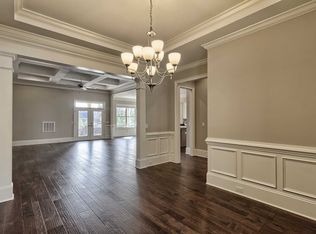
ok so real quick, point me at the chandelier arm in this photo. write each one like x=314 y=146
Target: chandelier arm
x=161 y=80
x=161 y=73
x=141 y=78
x=143 y=72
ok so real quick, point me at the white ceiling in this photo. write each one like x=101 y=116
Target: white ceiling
x=128 y=20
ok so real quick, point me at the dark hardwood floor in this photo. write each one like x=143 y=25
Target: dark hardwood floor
x=93 y=187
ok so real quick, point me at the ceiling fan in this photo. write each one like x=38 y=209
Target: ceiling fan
x=82 y=86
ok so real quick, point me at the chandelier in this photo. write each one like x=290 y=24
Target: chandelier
x=147 y=65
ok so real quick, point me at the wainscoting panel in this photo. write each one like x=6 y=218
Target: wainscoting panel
x=152 y=145
x=299 y=176
x=279 y=175
x=159 y=149
x=164 y=145
x=224 y=161
x=259 y=168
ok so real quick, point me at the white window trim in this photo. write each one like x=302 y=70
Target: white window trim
x=89 y=102
x=124 y=106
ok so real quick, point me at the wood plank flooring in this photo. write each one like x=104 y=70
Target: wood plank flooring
x=93 y=187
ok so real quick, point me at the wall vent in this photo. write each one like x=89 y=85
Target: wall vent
x=48 y=126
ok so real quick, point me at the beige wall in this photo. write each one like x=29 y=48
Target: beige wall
x=262 y=86
x=32 y=105
x=200 y=113
x=160 y=107
x=161 y=101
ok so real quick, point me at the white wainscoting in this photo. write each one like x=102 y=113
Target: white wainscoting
x=159 y=149
x=279 y=175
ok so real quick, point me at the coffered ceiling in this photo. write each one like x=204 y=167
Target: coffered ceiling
x=29 y=71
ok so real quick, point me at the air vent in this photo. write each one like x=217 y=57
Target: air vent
x=48 y=126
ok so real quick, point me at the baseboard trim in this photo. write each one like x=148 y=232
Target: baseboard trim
x=50 y=141
x=301 y=206
x=6 y=193
x=124 y=135
x=43 y=141
x=188 y=151
x=200 y=153
x=152 y=161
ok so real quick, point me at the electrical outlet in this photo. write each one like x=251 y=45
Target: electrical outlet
x=239 y=189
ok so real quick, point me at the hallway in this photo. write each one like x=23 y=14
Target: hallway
x=93 y=187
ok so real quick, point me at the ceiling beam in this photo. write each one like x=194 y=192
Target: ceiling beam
x=58 y=76
x=95 y=81
x=38 y=63
x=110 y=81
x=32 y=78
x=29 y=69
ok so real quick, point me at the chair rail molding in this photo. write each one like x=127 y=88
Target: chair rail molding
x=42 y=21
x=276 y=174
x=277 y=19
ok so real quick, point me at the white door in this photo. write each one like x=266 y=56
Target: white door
x=89 y=124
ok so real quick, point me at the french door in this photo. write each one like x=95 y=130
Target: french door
x=89 y=124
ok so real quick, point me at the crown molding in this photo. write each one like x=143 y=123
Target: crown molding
x=282 y=17
x=42 y=21
x=21 y=37
x=221 y=20
x=191 y=78
x=192 y=65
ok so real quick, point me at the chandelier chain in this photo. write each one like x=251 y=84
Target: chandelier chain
x=151 y=15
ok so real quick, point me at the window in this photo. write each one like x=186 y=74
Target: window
x=125 y=117
x=92 y=105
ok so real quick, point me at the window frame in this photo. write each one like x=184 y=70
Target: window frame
x=126 y=107
x=90 y=103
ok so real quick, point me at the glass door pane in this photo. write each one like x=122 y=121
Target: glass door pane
x=97 y=123
x=83 y=123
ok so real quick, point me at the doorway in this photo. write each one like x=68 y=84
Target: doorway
x=186 y=119
x=186 y=125
x=89 y=120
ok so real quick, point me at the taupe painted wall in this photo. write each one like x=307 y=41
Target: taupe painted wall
x=32 y=105
x=160 y=103
x=160 y=107
x=262 y=87
x=200 y=113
